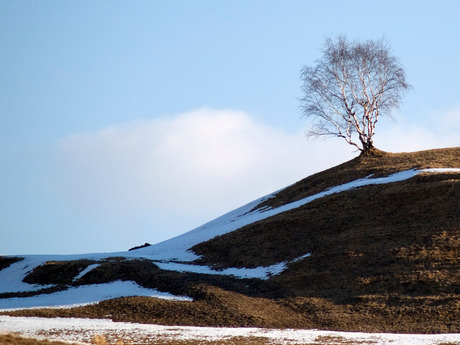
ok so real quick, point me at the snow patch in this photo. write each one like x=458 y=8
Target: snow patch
x=86 y=294
x=12 y=276
x=262 y=272
x=86 y=270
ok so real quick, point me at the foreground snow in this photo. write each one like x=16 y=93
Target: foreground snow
x=172 y=254
x=82 y=330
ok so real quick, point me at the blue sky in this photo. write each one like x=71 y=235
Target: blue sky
x=124 y=122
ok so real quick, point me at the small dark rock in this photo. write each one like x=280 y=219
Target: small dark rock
x=142 y=246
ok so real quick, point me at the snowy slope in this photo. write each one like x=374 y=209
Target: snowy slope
x=172 y=254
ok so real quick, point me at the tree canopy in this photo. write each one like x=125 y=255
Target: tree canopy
x=350 y=88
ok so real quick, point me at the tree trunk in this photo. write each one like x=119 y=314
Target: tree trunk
x=367 y=144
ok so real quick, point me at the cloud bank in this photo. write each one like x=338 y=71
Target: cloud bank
x=161 y=177
x=435 y=130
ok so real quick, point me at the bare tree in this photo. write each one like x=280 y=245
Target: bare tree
x=350 y=88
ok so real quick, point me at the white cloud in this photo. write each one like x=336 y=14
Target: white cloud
x=436 y=130
x=162 y=176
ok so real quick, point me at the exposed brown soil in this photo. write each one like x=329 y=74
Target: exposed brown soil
x=384 y=258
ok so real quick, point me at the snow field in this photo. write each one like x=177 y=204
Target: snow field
x=83 y=330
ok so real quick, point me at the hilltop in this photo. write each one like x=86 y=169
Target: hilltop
x=372 y=244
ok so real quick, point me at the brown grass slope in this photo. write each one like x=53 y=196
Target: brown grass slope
x=401 y=237
x=383 y=258
x=392 y=248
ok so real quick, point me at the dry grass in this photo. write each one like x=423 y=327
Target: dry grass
x=12 y=339
x=99 y=339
